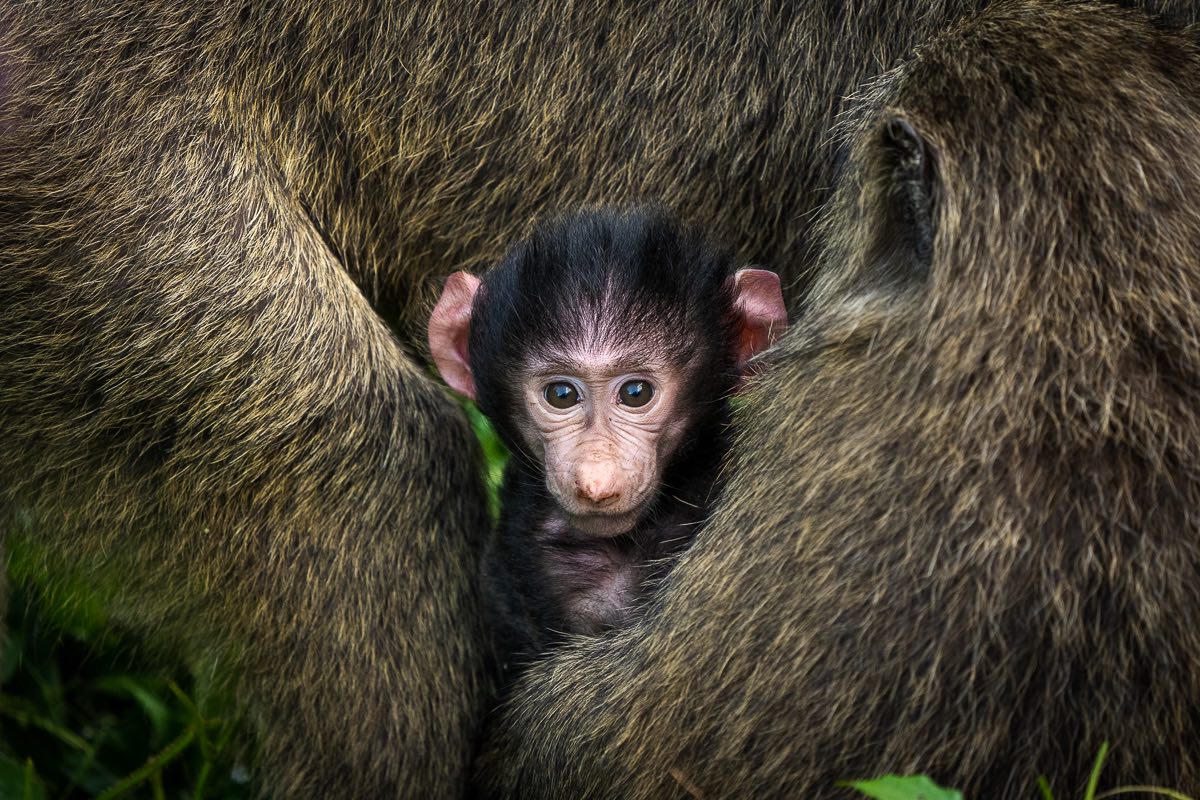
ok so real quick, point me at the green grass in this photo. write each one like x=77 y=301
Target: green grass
x=920 y=787
x=82 y=716
x=494 y=455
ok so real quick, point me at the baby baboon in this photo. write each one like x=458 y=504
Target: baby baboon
x=603 y=347
x=960 y=531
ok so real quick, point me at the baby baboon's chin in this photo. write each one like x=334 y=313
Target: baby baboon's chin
x=606 y=524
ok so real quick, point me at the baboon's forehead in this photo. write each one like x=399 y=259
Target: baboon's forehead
x=619 y=324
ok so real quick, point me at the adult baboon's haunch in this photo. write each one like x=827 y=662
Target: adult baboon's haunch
x=961 y=532
x=205 y=211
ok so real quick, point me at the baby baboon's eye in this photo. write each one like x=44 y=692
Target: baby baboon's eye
x=561 y=394
x=635 y=393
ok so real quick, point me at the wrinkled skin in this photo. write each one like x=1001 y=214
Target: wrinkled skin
x=603 y=457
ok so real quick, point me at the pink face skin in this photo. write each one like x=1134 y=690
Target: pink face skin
x=603 y=454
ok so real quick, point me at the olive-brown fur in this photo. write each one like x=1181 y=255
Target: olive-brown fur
x=202 y=416
x=210 y=216
x=215 y=218
x=960 y=534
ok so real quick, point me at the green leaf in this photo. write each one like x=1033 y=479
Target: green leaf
x=19 y=780
x=494 y=454
x=32 y=788
x=906 y=787
x=1094 y=780
x=143 y=692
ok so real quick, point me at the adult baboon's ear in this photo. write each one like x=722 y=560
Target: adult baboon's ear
x=450 y=331
x=907 y=181
x=761 y=316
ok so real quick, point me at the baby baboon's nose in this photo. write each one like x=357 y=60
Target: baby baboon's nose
x=597 y=483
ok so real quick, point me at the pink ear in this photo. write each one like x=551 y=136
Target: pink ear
x=450 y=330
x=758 y=302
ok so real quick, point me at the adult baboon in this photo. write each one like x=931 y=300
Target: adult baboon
x=960 y=534
x=207 y=213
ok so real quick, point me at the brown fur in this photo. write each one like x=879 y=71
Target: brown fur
x=961 y=532
x=207 y=214
x=203 y=209
x=202 y=416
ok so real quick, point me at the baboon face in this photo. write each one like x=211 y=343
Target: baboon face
x=602 y=431
x=605 y=338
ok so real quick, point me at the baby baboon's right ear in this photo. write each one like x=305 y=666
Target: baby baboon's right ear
x=761 y=315
x=450 y=332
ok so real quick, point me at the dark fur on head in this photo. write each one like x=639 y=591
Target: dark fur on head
x=606 y=276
